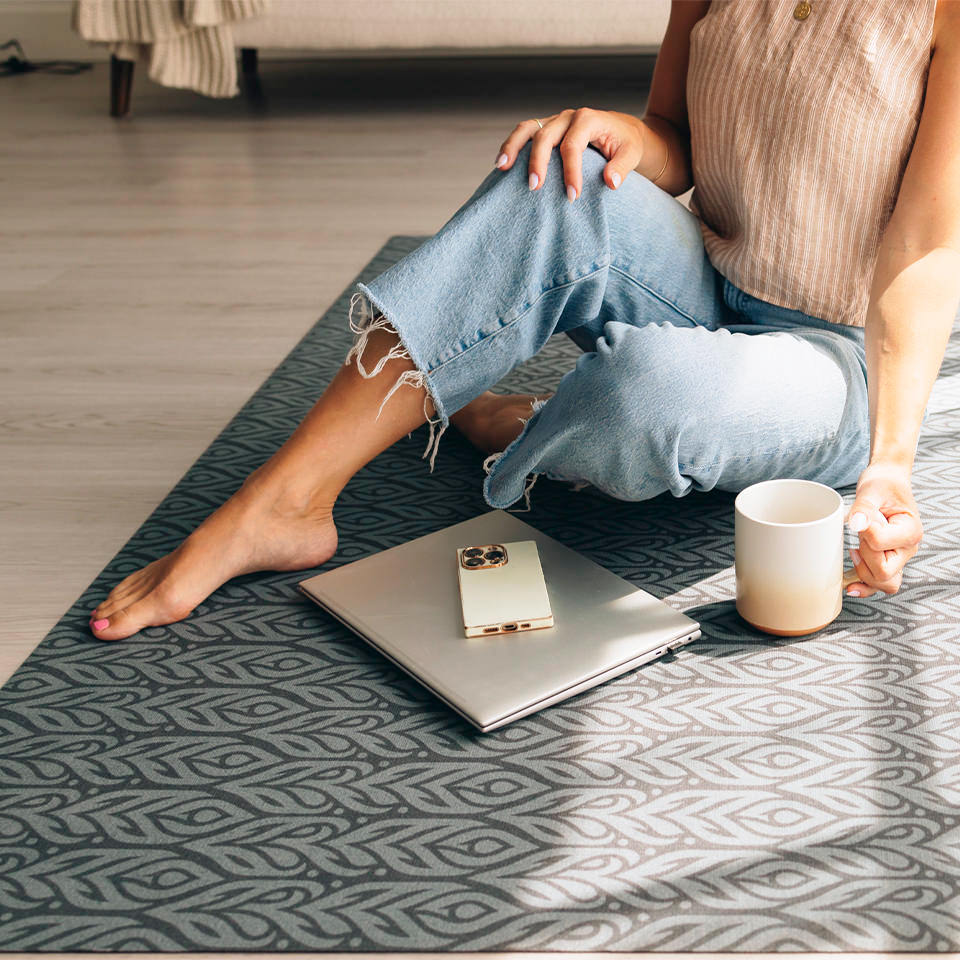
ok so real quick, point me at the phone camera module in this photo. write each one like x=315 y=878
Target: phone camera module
x=473 y=552
x=473 y=562
x=494 y=556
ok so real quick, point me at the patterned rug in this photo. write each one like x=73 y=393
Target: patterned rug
x=256 y=778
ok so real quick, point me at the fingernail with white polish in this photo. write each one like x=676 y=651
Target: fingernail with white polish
x=853 y=593
x=858 y=522
x=501 y=160
x=571 y=193
x=534 y=180
x=615 y=177
x=855 y=556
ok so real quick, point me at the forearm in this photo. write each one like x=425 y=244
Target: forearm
x=660 y=138
x=913 y=301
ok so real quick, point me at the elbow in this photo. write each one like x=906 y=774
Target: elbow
x=917 y=238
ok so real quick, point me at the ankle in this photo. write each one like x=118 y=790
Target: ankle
x=287 y=496
x=474 y=413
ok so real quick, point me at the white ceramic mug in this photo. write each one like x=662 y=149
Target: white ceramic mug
x=788 y=550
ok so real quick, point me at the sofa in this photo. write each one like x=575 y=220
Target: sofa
x=388 y=28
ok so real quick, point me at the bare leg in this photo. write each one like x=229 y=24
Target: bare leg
x=493 y=421
x=282 y=516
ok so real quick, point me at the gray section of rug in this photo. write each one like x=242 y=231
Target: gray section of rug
x=256 y=778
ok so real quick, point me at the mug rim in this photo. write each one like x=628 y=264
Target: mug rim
x=794 y=480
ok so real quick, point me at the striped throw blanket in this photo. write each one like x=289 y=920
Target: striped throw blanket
x=187 y=43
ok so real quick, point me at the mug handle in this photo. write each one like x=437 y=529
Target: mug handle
x=850 y=576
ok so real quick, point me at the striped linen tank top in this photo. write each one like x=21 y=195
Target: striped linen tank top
x=802 y=117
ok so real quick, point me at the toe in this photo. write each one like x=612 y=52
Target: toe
x=110 y=607
x=113 y=605
x=145 y=612
x=113 y=600
x=99 y=628
x=124 y=593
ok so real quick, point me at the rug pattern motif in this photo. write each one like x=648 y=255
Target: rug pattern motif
x=255 y=778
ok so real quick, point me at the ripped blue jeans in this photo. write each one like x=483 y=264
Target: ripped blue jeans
x=686 y=382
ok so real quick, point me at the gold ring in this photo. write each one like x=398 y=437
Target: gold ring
x=541 y=125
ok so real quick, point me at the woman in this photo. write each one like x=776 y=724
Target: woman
x=723 y=347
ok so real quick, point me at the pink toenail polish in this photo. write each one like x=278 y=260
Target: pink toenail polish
x=100 y=624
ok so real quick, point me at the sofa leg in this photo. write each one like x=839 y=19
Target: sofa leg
x=121 y=80
x=251 y=78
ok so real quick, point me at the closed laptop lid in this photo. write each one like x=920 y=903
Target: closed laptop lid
x=405 y=601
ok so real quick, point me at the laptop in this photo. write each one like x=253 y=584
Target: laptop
x=405 y=603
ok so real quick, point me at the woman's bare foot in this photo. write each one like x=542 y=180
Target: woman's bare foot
x=493 y=421
x=264 y=526
x=282 y=516
x=259 y=528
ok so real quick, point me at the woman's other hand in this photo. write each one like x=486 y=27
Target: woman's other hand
x=618 y=136
x=886 y=516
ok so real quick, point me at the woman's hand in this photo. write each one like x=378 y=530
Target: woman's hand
x=886 y=516
x=618 y=136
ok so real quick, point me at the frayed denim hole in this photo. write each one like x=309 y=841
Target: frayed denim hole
x=362 y=328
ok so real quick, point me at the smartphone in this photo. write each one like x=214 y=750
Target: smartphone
x=502 y=589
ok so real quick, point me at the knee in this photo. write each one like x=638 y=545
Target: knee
x=591 y=167
x=510 y=189
x=519 y=173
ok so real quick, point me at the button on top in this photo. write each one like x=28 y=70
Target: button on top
x=802 y=10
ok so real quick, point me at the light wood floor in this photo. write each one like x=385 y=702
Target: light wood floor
x=154 y=270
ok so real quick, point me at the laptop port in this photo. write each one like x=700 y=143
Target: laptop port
x=509 y=627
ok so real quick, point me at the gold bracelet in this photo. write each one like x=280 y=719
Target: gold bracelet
x=666 y=160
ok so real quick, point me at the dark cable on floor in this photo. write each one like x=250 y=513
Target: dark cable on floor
x=20 y=64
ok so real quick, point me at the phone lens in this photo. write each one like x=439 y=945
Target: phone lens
x=472 y=552
x=494 y=556
x=474 y=562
